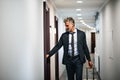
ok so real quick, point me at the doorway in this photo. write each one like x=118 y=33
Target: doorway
x=93 y=42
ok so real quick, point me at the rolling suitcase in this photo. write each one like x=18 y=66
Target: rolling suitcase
x=87 y=73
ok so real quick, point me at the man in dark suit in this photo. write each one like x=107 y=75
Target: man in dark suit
x=75 y=50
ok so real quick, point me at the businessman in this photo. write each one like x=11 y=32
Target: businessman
x=75 y=50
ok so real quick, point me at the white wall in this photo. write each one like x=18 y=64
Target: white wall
x=61 y=29
x=108 y=41
x=116 y=37
x=52 y=37
x=21 y=40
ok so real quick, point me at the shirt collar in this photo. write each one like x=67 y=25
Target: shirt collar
x=74 y=31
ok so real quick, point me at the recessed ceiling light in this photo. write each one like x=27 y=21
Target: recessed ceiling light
x=82 y=21
x=79 y=1
x=78 y=9
x=79 y=14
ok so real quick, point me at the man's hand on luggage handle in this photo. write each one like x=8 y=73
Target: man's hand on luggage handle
x=90 y=64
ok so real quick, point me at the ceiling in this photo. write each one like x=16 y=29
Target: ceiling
x=86 y=17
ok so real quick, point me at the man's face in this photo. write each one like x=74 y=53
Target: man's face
x=69 y=26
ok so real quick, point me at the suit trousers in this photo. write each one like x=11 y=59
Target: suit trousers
x=74 y=67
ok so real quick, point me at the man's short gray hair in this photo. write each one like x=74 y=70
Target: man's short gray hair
x=70 y=19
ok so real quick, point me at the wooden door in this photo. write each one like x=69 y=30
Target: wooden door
x=46 y=41
x=92 y=42
x=56 y=55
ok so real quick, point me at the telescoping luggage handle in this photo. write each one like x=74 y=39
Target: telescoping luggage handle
x=93 y=69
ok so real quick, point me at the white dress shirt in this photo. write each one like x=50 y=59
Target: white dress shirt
x=75 y=44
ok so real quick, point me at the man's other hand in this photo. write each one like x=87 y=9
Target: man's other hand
x=90 y=64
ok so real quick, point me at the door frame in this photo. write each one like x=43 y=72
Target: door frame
x=93 y=44
x=56 y=55
x=46 y=23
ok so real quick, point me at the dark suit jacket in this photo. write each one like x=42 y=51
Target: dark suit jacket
x=81 y=44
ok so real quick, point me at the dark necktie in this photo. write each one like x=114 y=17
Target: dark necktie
x=72 y=43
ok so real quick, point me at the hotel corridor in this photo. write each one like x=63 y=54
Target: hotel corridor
x=30 y=28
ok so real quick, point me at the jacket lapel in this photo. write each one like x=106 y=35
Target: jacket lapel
x=78 y=35
x=67 y=38
x=79 y=40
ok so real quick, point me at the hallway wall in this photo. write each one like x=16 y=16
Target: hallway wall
x=116 y=37
x=108 y=38
x=61 y=28
x=21 y=40
x=52 y=37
